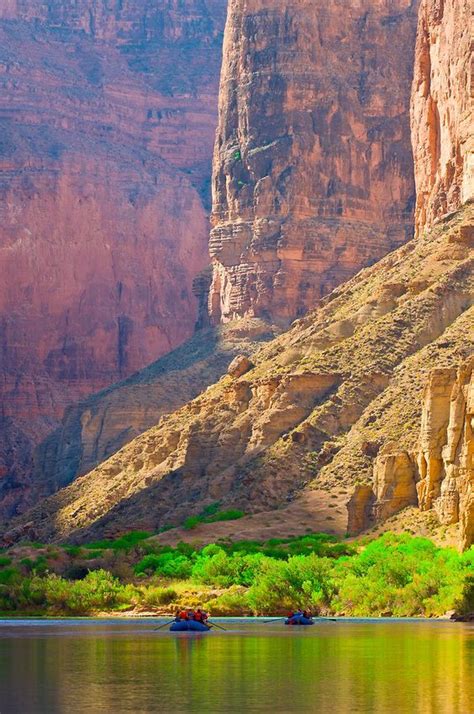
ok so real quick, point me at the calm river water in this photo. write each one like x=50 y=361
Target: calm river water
x=95 y=666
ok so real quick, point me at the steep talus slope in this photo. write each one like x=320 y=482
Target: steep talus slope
x=107 y=121
x=313 y=169
x=314 y=418
x=442 y=102
x=98 y=426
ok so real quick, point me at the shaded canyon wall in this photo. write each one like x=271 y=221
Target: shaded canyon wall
x=107 y=122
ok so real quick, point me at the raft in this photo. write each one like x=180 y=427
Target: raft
x=299 y=621
x=189 y=626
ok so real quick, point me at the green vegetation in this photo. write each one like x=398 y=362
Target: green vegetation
x=398 y=575
x=212 y=514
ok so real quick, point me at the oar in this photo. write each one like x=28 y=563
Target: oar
x=214 y=624
x=164 y=625
x=278 y=619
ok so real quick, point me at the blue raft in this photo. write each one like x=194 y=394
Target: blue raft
x=189 y=626
x=299 y=620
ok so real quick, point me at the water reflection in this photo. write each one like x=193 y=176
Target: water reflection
x=385 y=668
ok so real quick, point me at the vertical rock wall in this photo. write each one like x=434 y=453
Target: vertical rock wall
x=313 y=175
x=442 y=109
x=107 y=122
x=446 y=452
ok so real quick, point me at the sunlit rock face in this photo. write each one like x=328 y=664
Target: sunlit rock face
x=107 y=122
x=442 y=109
x=446 y=449
x=313 y=175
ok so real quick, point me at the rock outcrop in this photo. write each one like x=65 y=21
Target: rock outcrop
x=442 y=105
x=98 y=426
x=313 y=172
x=446 y=452
x=107 y=122
x=327 y=415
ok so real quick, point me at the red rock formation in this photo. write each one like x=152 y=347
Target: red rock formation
x=313 y=174
x=107 y=119
x=442 y=120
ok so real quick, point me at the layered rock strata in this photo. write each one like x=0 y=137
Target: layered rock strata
x=442 y=109
x=313 y=420
x=313 y=173
x=107 y=121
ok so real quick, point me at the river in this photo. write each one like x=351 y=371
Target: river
x=360 y=666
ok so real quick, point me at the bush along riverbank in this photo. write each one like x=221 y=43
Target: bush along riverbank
x=393 y=575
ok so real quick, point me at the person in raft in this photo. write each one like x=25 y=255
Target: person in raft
x=181 y=615
x=296 y=613
x=201 y=616
x=196 y=615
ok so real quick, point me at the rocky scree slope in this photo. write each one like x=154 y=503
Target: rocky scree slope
x=101 y=424
x=107 y=122
x=315 y=419
x=313 y=167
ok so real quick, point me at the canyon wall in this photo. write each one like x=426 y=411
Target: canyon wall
x=313 y=179
x=320 y=423
x=313 y=174
x=442 y=105
x=107 y=122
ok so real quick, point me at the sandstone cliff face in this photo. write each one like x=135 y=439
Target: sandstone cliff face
x=106 y=131
x=442 y=109
x=326 y=418
x=313 y=175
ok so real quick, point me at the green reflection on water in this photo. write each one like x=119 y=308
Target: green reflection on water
x=370 y=667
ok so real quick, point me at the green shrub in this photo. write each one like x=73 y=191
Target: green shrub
x=233 y=602
x=211 y=514
x=74 y=551
x=94 y=554
x=231 y=515
x=154 y=596
x=35 y=565
x=99 y=590
x=168 y=565
x=5 y=560
x=191 y=523
x=301 y=581
x=125 y=542
x=216 y=567
x=399 y=575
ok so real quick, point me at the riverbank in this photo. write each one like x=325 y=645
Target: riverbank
x=136 y=576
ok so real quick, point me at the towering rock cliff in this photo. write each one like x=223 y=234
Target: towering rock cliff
x=107 y=121
x=313 y=175
x=362 y=409
x=442 y=102
x=313 y=172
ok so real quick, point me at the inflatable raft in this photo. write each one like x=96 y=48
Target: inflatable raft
x=189 y=626
x=299 y=620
